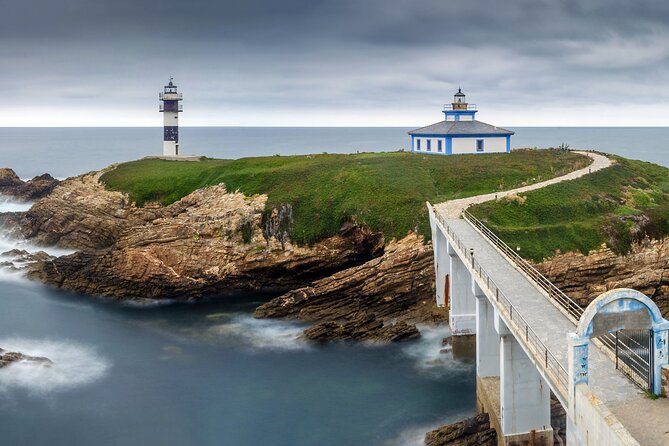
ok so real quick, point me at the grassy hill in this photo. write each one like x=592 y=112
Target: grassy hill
x=384 y=191
x=616 y=206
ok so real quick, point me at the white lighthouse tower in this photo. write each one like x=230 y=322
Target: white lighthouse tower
x=170 y=106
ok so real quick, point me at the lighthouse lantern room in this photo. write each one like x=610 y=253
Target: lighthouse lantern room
x=170 y=106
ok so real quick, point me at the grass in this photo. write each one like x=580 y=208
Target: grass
x=615 y=206
x=382 y=191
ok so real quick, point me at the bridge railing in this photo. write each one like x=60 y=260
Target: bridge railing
x=542 y=355
x=573 y=309
x=634 y=365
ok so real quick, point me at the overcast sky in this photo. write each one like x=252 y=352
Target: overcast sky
x=334 y=62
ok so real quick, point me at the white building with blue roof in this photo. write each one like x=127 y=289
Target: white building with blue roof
x=460 y=133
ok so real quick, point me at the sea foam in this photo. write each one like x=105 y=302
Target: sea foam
x=262 y=334
x=74 y=365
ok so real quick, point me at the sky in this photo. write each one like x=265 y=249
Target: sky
x=334 y=62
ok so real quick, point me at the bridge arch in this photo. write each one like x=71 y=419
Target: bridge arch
x=619 y=309
x=612 y=311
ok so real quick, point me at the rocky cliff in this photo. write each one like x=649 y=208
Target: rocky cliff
x=584 y=277
x=211 y=241
x=381 y=299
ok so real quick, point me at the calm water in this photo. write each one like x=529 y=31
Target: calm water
x=209 y=374
x=69 y=151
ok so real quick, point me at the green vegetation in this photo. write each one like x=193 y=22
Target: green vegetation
x=616 y=206
x=383 y=191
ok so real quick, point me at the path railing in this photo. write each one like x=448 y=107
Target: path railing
x=621 y=346
x=542 y=355
x=573 y=309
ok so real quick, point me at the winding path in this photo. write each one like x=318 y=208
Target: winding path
x=454 y=208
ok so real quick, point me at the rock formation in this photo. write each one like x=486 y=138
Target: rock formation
x=474 y=431
x=380 y=299
x=11 y=185
x=584 y=277
x=210 y=242
x=8 y=358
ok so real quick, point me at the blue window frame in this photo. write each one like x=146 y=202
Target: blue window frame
x=479 y=145
x=439 y=146
x=429 y=145
x=418 y=144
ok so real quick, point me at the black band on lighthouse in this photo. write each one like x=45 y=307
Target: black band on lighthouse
x=171 y=133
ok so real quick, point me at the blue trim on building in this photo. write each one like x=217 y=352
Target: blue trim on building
x=508 y=144
x=449 y=145
x=457 y=113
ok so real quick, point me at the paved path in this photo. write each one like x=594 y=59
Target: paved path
x=620 y=395
x=454 y=208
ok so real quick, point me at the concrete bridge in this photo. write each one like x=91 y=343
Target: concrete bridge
x=533 y=340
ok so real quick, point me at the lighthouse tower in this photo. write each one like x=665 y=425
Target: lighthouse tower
x=170 y=106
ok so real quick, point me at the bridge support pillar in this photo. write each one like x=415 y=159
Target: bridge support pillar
x=462 y=309
x=525 y=398
x=441 y=268
x=487 y=339
x=442 y=265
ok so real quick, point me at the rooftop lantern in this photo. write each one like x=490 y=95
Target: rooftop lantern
x=459 y=101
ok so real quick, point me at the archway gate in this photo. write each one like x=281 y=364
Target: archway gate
x=629 y=323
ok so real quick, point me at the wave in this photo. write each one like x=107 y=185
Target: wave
x=431 y=357
x=262 y=334
x=74 y=365
x=10 y=240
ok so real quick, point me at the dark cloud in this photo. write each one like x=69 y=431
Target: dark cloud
x=264 y=61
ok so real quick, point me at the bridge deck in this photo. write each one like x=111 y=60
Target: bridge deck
x=617 y=392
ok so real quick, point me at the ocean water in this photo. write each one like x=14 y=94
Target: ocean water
x=208 y=373
x=69 y=151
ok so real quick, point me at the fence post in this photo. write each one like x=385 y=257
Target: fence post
x=617 y=349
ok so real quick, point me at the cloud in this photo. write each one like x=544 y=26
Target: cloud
x=326 y=62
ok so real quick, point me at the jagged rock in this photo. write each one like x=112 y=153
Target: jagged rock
x=584 y=277
x=11 y=185
x=367 y=301
x=474 y=431
x=192 y=248
x=7 y=358
x=368 y=327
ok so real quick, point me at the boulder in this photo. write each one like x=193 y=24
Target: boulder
x=474 y=431
x=11 y=185
x=8 y=358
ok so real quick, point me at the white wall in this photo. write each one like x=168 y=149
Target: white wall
x=170 y=118
x=468 y=145
x=593 y=424
x=435 y=145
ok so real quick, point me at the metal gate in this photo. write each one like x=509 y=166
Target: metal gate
x=634 y=355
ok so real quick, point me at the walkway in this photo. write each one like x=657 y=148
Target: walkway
x=617 y=392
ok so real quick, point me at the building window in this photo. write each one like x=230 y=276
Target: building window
x=429 y=145
x=439 y=147
x=418 y=144
x=479 y=145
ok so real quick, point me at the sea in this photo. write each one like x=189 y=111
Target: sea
x=208 y=373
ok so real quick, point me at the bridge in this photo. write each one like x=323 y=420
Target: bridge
x=603 y=363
